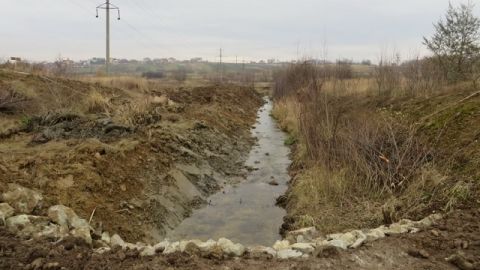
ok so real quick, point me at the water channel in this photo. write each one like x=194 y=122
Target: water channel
x=246 y=213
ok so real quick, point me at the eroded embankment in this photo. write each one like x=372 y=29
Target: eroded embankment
x=134 y=162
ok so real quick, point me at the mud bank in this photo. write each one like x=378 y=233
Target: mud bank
x=136 y=162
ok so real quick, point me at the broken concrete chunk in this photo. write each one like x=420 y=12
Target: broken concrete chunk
x=338 y=243
x=375 y=234
x=260 y=252
x=20 y=223
x=82 y=233
x=23 y=200
x=285 y=254
x=231 y=249
x=6 y=211
x=105 y=237
x=279 y=245
x=172 y=248
x=207 y=246
x=305 y=234
x=148 y=251
x=51 y=231
x=117 y=241
x=65 y=216
x=160 y=247
x=360 y=239
x=305 y=248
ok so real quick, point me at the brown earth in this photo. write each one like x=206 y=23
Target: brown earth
x=138 y=161
x=456 y=238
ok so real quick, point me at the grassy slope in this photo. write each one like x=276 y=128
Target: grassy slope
x=447 y=122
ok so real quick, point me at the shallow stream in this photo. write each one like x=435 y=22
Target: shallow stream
x=246 y=213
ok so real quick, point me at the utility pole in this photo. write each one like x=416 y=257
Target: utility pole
x=107 y=7
x=221 y=66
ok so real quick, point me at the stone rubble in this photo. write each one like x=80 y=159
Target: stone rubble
x=22 y=199
x=18 y=203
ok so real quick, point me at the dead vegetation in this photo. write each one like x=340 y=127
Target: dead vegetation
x=364 y=157
x=11 y=100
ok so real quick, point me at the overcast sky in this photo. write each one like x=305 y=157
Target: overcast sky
x=250 y=29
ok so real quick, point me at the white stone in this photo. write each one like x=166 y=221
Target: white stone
x=82 y=233
x=26 y=225
x=183 y=244
x=229 y=248
x=338 y=243
x=172 y=248
x=303 y=247
x=105 y=237
x=6 y=211
x=285 y=254
x=116 y=240
x=344 y=239
x=160 y=247
x=259 y=251
x=51 y=231
x=148 y=251
x=305 y=234
x=428 y=221
x=207 y=246
x=65 y=216
x=360 y=239
x=375 y=234
x=281 y=244
x=23 y=200
x=396 y=228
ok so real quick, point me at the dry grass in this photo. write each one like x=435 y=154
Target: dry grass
x=131 y=83
x=97 y=103
x=351 y=147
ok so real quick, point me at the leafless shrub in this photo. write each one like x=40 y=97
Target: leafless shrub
x=294 y=77
x=10 y=100
x=387 y=76
x=380 y=155
x=422 y=76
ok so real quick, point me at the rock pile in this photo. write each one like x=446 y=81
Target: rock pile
x=18 y=204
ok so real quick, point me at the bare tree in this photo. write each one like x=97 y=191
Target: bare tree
x=455 y=42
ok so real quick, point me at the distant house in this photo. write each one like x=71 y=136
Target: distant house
x=196 y=60
x=97 y=61
x=14 y=60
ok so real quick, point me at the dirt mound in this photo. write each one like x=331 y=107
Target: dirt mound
x=455 y=238
x=139 y=161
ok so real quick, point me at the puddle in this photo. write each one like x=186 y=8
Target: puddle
x=246 y=213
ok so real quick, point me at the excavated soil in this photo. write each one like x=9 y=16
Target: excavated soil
x=137 y=168
x=456 y=237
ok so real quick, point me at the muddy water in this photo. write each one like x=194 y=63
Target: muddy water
x=246 y=213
